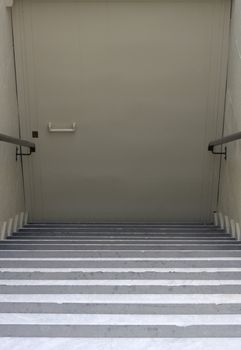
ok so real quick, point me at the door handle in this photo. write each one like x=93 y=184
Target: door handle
x=52 y=129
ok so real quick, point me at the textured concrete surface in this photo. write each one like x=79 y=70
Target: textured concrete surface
x=168 y=299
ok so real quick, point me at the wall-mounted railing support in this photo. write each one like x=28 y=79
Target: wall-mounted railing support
x=20 y=143
x=211 y=149
x=19 y=152
x=222 y=141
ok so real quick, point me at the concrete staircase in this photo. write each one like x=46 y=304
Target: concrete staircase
x=120 y=286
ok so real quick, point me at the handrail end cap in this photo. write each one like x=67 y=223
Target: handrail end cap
x=210 y=147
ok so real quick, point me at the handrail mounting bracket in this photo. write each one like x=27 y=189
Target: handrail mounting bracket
x=19 y=152
x=211 y=149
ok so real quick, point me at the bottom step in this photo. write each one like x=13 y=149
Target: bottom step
x=121 y=331
x=120 y=344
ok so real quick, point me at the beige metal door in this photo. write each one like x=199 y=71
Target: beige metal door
x=144 y=83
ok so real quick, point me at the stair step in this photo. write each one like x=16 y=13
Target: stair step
x=145 y=233
x=119 y=308
x=117 y=289
x=124 y=298
x=87 y=263
x=120 y=325
x=117 y=240
x=122 y=226
x=113 y=319
x=142 y=236
x=109 y=331
x=89 y=281
x=120 y=343
x=144 y=229
x=168 y=283
x=120 y=223
x=118 y=246
x=114 y=240
x=210 y=253
x=70 y=275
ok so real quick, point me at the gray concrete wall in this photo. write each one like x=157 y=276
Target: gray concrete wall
x=11 y=189
x=11 y=186
x=230 y=192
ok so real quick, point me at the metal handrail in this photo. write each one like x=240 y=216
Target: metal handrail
x=222 y=141
x=18 y=142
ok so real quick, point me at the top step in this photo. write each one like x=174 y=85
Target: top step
x=119 y=224
x=120 y=228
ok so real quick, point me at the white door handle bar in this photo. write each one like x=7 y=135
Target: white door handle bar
x=52 y=129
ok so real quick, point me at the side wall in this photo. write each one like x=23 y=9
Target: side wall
x=230 y=189
x=11 y=185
